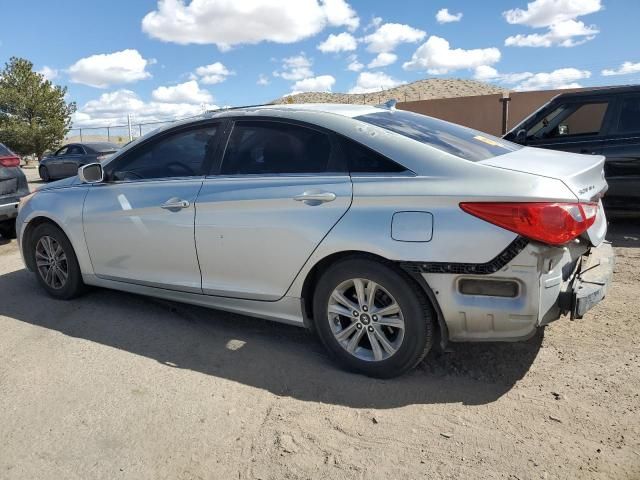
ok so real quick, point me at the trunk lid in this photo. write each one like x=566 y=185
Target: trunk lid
x=582 y=174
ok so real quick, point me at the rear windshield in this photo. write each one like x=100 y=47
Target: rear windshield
x=455 y=139
x=5 y=152
x=102 y=147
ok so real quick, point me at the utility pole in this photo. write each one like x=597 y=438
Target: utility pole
x=505 y=111
x=129 y=125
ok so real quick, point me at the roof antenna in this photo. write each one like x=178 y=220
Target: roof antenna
x=389 y=104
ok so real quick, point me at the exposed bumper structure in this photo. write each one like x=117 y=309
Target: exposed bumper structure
x=593 y=281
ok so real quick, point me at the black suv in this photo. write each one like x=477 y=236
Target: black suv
x=13 y=185
x=603 y=121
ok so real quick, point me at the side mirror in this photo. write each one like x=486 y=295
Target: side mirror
x=521 y=137
x=91 y=173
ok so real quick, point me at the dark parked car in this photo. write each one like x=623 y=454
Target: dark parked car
x=605 y=122
x=13 y=186
x=66 y=161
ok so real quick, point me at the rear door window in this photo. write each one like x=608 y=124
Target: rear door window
x=448 y=137
x=75 y=150
x=571 y=120
x=274 y=148
x=364 y=160
x=628 y=121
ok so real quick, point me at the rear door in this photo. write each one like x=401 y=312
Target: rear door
x=280 y=189
x=622 y=150
x=574 y=125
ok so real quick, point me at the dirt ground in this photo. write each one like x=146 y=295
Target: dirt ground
x=114 y=385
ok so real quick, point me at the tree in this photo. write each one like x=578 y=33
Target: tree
x=34 y=115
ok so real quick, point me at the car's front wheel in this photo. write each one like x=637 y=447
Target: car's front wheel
x=55 y=262
x=372 y=318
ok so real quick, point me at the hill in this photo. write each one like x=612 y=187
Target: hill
x=420 y=90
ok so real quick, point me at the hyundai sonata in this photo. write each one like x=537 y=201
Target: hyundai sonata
x=384 y=231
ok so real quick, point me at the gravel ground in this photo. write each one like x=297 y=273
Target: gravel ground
x=114 y=385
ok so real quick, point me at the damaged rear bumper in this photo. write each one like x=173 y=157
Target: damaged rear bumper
x=592 y=283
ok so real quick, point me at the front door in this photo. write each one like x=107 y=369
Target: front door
x=139 y=223
x=55 y=164
x=72 y=160
x=281 y=188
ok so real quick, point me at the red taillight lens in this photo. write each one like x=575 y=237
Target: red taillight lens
x=10 y=161
x=552 y=223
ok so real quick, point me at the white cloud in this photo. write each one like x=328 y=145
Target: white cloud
x=374 y=23
x=188 y=92
x=543 y=13
x=382 y=60
x=48 y=73
x=443 y=16
x=112 y=109
x=343 y=42
x=214 y=73
x=437 y=57
x=561 y=78
x=485 y=73
x=559 y=17
x=388 y=36
x=374 y=82
x=226 y=23
x=568 y=33
x=295 y=68
x=339 y=13
x=322 y=83
x=263 y=80
x=626 y=68
x=354 y=64
x=106 y=69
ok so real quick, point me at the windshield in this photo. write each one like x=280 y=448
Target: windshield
x=448 y=137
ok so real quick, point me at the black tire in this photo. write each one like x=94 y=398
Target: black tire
x=415 y=307
x=44 y=174
x=74 y=285
x=8 y=229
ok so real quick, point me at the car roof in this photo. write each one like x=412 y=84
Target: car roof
x=600 y=91
x=343 y=109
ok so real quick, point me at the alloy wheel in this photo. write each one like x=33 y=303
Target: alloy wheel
x=51 y=262
x=365 y=319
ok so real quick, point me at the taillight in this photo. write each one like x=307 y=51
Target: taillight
x=552 y=223
x=10 y=161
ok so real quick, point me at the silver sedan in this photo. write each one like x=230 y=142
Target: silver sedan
x=384 y=231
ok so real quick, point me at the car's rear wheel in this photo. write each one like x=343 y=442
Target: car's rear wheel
x=55 y=262
x=372 y=318
x=44 y=174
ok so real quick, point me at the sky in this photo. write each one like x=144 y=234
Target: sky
x=165 y=59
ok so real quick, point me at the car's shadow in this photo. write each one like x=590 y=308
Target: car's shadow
x=624 y=233
x=284 y=360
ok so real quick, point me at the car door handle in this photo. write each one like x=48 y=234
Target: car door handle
x=315 y=197
x=175 y=204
